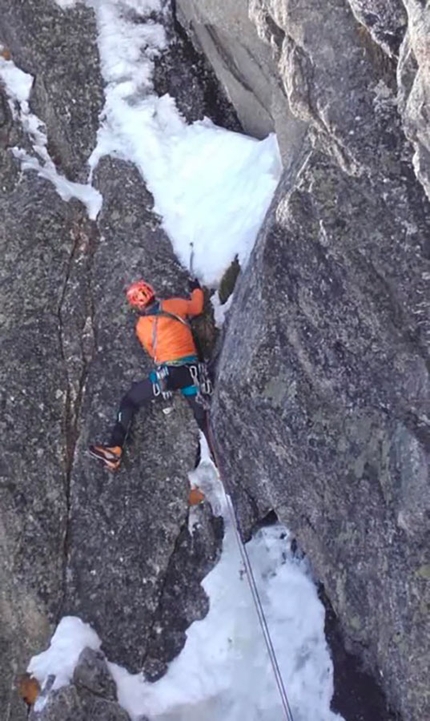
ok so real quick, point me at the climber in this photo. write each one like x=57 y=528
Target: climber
x=164 y=333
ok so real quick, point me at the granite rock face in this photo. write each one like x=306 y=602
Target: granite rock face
x=130 y=520
x=413 y=77
x=386 y=20
x=92 y=673
x=74 y=539
x=244 y=40
x=223 y=30
x=230 y=41
x=36 y=232
x=330 y=387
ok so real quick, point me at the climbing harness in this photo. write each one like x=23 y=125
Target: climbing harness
x=252 y=583
x=200 y=381
x=198 y=371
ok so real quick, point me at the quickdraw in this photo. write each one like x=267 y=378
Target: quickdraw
x=206 y=385
x=159 y=387
x=200 y=376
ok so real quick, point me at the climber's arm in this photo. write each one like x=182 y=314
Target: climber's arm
x=195 y=304
x=182 y=307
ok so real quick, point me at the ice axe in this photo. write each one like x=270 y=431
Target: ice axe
x=191 y=259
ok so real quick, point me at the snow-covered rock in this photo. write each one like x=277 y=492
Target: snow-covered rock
x=88 y=693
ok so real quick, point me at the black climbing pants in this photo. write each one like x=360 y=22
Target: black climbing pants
x=142 y=393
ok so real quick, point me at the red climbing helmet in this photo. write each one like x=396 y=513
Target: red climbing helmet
x=140 y=294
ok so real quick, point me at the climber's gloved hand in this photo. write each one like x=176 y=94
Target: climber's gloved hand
x=193 y=283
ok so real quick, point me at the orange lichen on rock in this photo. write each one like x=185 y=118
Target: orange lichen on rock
x=195 y=497
x=5 y=53
x=28 y=688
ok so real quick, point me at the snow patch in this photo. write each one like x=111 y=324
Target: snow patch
x=70 y=638
x=18 y=86
x=211 y=186
x=66 y=189
x=224 y=672
x=220 y=310
x=66 y=4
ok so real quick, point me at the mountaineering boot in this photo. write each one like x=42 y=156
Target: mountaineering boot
x=110 y=456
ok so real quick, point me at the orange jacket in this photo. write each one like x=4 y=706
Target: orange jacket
x=167 y=339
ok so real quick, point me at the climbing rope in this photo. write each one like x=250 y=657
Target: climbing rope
x=252 y=584
x=245 y=558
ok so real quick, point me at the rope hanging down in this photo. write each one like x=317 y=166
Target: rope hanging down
x=246 y=562
x=253 y=586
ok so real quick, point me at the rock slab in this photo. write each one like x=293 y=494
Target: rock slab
x=330 y=384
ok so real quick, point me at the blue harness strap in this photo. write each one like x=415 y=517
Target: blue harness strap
x=185 y=360
x=189 y=391
x=153 y=377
